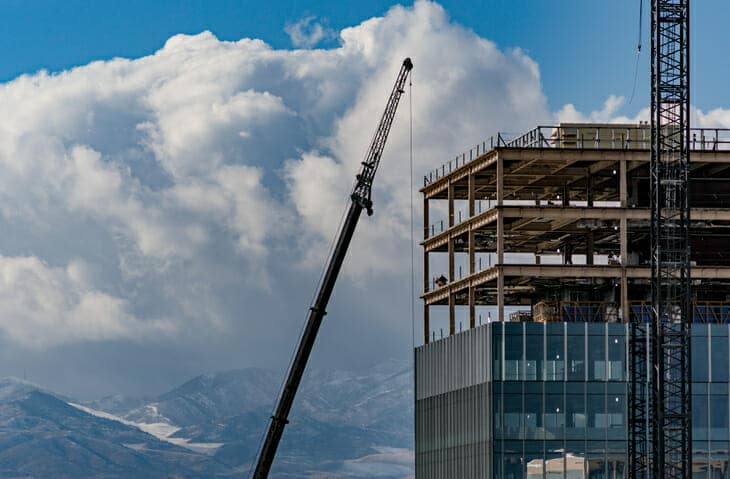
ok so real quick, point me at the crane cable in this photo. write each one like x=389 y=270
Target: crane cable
x=638 y=50
x=413 y=266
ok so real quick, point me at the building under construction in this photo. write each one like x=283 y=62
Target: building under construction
x=536 y=260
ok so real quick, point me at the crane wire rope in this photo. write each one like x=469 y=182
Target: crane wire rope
x=413 y=250
x=638 y=50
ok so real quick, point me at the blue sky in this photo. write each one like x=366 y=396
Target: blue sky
x=586 y=49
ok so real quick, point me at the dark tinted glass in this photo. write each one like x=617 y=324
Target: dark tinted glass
x=597 y=358
x=555 y=357
x=719 y=360
x=576 y=358
x=700 y=370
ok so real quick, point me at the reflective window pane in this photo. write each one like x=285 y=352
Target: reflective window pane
x=512 y=414
x=700 y=369
x=719 y=418
x=616 y=416
x=616 y=358
x=576 y=358
x=575 y=414
x=719 y=360
x=554 y=416
x=700 y=418
x=533 y=357
x=512 y=357
x=597 y=358
x=555 y=357
x=532 y=420
x=597 y=417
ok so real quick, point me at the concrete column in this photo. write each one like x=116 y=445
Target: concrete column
x=500 y=239
x=589 y=247
x=500 y=295
x=472 y=196
x=452 y=315
x=624 y=241
x=426 y=324
x=500 y=262
x=452 y=318
x=426 y=219
x=451 y=204
x=500 y=181
x=623 y=185
x=426 y=231
x=623 y=227
x=472 y=270
x=624 y=296
x=589 y=189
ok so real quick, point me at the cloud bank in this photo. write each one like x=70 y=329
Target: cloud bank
x=200 y=186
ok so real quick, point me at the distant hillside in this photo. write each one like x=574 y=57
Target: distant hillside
x=345 y=424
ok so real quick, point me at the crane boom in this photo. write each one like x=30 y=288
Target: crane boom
x=361 y=198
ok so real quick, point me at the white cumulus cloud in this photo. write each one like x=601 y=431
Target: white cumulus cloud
x=307 y=32
x=42 y=305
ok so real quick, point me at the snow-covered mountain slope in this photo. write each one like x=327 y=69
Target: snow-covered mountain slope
x=42 y=436
x=345 y=424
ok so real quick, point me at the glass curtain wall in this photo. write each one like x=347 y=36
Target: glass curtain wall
x=560 y=400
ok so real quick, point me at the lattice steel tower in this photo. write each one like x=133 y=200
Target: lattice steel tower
x=670 y=396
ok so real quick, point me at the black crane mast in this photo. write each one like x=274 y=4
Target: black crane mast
x=361 y=198
x=660 y=414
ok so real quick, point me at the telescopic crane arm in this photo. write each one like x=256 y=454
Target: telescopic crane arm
x=361 y=198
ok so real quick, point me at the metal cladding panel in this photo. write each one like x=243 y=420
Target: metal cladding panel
x=453 y=363
x=453 y=434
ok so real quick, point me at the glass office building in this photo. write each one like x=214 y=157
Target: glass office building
x=548 y=400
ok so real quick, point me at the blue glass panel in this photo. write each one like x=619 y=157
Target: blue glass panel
x=555 y=358
x=513 y=467
x=597 y=358
x=700 y=418
x=497 y=413
x=719 y=360
x=576 y=358
x=597 y=417
x=616 y=357
x=534 y=357
x=512 y=414
x=513 y=357
x=575 y=415
x=554 y=416
x=718 y=330
x=700 y=364
x=532 y=417
x=497 y=345
x=719 y=418
x=616 y=416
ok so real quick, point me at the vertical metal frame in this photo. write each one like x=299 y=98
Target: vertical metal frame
x=665 y=450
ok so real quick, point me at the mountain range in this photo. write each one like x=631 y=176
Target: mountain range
x=344 y=424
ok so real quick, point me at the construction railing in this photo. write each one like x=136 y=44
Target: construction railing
x=581 y=136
